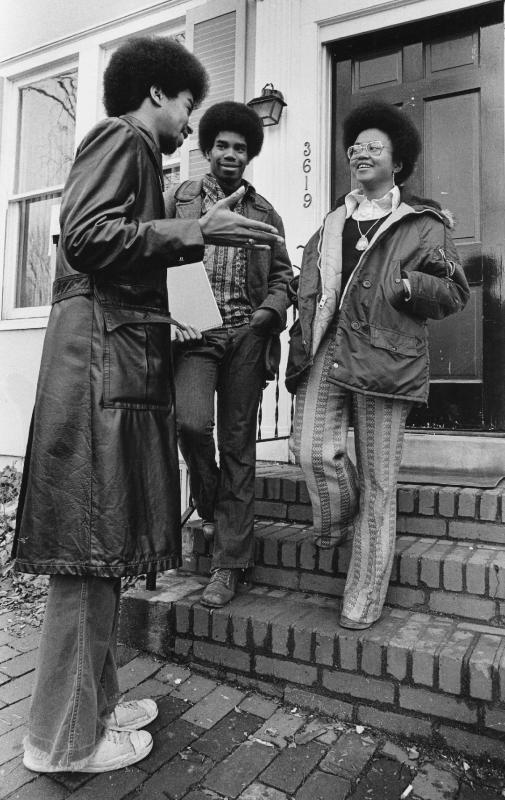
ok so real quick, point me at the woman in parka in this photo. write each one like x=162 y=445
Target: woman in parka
x=382 y=263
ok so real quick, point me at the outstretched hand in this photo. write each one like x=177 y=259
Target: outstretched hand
x=221 y=226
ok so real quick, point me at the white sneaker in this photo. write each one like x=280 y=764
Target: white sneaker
x=116 y=749
x=131 y=715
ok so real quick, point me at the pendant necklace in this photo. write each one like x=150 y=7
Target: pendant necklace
x=363 y=241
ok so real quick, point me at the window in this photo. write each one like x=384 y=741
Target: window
x=171 y=174
x=44 y=153
x=216 y=34
x=39 y=133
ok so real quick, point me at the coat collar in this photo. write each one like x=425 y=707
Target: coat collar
x=407 y=203
x=359 y=206
x=188 y=191
x=147 y=136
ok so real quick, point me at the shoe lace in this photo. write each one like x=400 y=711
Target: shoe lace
x=113 y=736
x=221 y=576
x=129 y=704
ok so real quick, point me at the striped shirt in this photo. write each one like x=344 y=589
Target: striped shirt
x=226 y=267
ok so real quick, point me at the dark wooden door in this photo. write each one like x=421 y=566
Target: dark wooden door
x=448 y=74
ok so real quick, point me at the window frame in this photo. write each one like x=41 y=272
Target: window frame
x=13 y=199
x=88 y=51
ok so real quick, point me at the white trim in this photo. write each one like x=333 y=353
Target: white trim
x=158 y=14
x=379 y=14
x=25 y=323
x=457 y=380
x=15 y=198
x=325 y=127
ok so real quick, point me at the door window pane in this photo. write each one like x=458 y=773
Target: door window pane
x=46 y=131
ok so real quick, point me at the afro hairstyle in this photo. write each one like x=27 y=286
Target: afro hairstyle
x=145 y=61
x=398 y=126
x=231 y=116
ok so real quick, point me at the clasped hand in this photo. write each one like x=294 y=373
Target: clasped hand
x=222 y=226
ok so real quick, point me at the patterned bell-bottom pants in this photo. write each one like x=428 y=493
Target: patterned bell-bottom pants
x=360 y=499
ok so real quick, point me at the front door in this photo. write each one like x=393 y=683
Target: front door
x=447 y=73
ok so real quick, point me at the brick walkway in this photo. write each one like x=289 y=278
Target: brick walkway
x=215 y=741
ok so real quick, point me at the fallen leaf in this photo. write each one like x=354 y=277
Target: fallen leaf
x=308 y=736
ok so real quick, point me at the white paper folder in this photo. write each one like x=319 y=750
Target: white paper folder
x=190 y=297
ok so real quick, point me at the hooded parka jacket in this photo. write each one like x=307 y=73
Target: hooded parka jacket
x=100 y=492
x=381 y=337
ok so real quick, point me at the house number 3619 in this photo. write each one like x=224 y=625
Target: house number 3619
x=307 y=169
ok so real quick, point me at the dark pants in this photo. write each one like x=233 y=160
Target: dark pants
x=231 y=363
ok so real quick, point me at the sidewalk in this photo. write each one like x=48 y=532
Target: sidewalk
x=214 y=741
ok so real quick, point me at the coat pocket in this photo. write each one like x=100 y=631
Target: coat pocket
x=137 y=360
x=394 y=289
x=394 y=341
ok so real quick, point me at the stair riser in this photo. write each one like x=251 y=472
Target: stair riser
x=446 y=684
x=473 y=515
x=459 y=580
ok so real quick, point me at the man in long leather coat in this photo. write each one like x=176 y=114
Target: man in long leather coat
x=100 y=493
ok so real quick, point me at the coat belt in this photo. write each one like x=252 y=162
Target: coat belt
x=71 y=286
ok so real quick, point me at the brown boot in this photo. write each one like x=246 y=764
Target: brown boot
x=221 y=588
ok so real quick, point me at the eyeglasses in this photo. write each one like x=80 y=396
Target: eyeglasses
x=375 y=148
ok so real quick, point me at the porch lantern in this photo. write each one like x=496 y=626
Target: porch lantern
x=269 y=106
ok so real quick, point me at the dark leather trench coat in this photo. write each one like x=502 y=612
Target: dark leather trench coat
x=100 y=492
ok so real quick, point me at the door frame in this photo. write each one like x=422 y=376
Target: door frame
x=368 y=18
x=423 y=448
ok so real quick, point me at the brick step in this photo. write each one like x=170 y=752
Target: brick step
x=412 y=673
x=460 y=579
x=440 y=511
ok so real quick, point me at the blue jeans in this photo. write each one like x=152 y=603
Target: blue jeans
x=231 y=363
x=76 y=679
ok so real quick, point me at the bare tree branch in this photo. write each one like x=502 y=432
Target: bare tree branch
x=68 y=85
